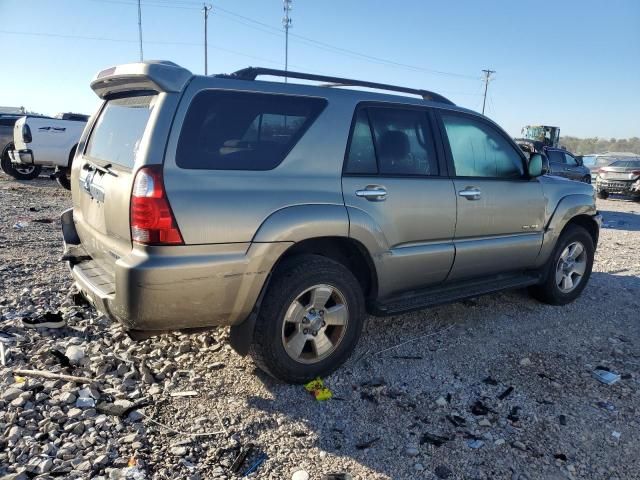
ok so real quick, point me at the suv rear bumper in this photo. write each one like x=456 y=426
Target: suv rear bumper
x=21 y=156
x=172 y=288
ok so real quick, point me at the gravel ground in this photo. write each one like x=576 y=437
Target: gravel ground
x=495 y=387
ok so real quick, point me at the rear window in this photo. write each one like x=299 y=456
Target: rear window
x=243 y=131
x=117 y=134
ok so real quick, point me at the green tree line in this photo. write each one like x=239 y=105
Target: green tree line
x=582 y=146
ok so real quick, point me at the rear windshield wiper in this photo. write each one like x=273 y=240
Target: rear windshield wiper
x=104 y=169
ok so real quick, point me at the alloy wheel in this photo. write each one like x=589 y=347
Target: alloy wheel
x=315 y=324
x=571 y=267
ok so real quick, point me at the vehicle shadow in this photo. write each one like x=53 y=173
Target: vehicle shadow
x=621 y=220
x=422 y=393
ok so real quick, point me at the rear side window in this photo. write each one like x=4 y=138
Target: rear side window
x=243 y=131
x=391 y=141
x=555 y=156
x=118 y=131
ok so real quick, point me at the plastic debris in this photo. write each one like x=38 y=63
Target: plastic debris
x=616 y=435
x=20 y=225
x=85 y=399
x=186 y=393
x=605 y=376
x=367 y=443
x=435 y=440
x=75 y=354
x=259 y=461
x=318 y=390
x=475 y=444
x=505 y=394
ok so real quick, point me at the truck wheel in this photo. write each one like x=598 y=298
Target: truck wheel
x=64 y=178
x=64 y=174
x=587 y=179
x=569 y=268
x=17 y=171
x=310 y=319
x=603 y=194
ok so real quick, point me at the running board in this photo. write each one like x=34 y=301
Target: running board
x=452 y=292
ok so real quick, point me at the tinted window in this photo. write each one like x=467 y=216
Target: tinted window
x=479 y=150
x=403 y=142
x=243 y=131
x=555 y=156
x=118 y=131
x=570 y=160
x=362 y=155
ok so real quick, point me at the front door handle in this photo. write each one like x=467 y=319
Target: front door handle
x=470 y=193
x=373 y=193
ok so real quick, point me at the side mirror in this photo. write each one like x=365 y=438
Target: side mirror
x=538 y=165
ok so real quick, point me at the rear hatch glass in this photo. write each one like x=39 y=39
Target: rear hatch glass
x=101 y=194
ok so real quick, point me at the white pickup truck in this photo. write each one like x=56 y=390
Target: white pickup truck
x=48 y=142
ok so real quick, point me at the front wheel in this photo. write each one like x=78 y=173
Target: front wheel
x=587 y=179
x=310 y=320
x=569 y=268
x=16 y=170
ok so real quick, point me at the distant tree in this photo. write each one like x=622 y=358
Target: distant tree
x=581 y=146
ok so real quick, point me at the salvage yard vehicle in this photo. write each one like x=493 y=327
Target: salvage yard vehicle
x=19 y=172
x=289 y=211
x=47 y=141
x=564 y=164
x=621 y=177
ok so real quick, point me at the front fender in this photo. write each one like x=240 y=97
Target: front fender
x=567 y=208
x=302 y=222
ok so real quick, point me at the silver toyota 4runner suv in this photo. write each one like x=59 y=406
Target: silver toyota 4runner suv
x=289 y=211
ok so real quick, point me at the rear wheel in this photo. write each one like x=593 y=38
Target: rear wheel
x=63 y=176
x=569 y=268
x=16 y=170
x=587 y=179
x=310 y=320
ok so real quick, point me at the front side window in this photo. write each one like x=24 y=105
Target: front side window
x=243 y=131
x=479 y=150
x=555 y=156
x=570 y=160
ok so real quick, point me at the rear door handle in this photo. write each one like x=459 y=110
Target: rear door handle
x=470 y=193
x=373 y=193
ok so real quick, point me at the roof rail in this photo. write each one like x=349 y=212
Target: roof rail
x=250 y=73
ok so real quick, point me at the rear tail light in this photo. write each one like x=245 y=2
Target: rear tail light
x=26 y=133
x=152 y=221
x=635 y=172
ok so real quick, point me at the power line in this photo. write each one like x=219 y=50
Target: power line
x=487 y=76
x=266 y=28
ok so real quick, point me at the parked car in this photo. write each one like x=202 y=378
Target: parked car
x=21 y=172
x=595 y=161
x=48 y=141
x=620 y=177
x=564 y=164
x=289 y=211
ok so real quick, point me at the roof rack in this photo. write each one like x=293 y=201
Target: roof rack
x=250 y=73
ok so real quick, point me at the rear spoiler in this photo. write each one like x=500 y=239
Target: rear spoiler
x=159 y=76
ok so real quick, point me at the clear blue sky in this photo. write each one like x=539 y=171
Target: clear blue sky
x=572 y=63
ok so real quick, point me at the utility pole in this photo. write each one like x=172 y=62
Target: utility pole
x=487 y=76
x=205 y=9
x=140 y=27
x=286 y=23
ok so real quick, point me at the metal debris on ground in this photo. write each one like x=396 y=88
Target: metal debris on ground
x=240 y=458
x=605 y=376
x=256 y=464
x=367 y=443
x=318 y=390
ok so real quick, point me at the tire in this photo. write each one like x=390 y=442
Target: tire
x=602 y=194
x=290 y=296
x=553 y=290
x=586 y=179
x=64 y=175
x=26 y=172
